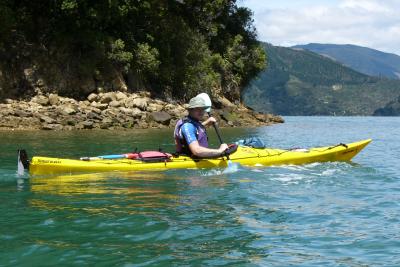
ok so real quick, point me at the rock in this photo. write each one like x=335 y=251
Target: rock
x=107 y=98
x=52 y=126
x=160 y=117
x=128 y=102
x=120 y=96
x=99 y=105
x=93 y=97
x=82 y=106
x=140 y=103
x=41 y=100
x=68 y=110
x=141 y=124
x=175 y=111
x=96 y=110
x=94 y=116
x=9 y=101
x=68 y=121
x=21 y=113
x=277 y=119
x=154 y=107
x=107 y=120
x=85 y=102
x=88 y=124
x=127 y=111
x=46 y=119
x=109 y=113
x=136 y=113
x=114 y=104
x=79 y=126
x=53 y=99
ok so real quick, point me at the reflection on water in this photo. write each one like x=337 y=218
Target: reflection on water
x=130 y=190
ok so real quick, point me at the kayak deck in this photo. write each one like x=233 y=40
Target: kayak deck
x=246 y=156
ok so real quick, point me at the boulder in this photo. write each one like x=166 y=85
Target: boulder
x=52 y=126
x=136 y=113
x=106 y=123
x=46 y=119
x=128 y=102
x=114 y=104
x=107 y=98
x=120 y=96
x=160 y=117
x=140 y=103
x=21 y=113
x=277 y=119
x=175 y=111
x=124 y=110
x=68 y=121
x=154 y=107
x=93 y=116
x=93 y=97
x=88 y=124
x=40 y=99
x=99 y=105
x=141 y=124
x=96 y=110
x=68 y=110
x=53 y=99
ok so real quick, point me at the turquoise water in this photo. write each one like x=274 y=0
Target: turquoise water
x=329 y=214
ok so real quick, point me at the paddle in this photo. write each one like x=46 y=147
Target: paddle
x=208 y=102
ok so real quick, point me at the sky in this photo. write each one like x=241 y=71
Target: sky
x=370 y=23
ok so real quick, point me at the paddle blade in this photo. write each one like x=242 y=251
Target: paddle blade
x=23 y=162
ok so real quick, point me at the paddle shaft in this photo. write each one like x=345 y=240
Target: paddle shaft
x=218 y=133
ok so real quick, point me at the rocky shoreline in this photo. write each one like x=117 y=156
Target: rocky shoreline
x=115 y=110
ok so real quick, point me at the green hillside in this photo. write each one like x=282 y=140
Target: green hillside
x=391 y=109
x=363 y=59
x=300 y=82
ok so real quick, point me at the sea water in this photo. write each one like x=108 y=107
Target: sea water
x=320 y=214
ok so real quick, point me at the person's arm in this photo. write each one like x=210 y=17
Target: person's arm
x=209 y=121
x=204 y=152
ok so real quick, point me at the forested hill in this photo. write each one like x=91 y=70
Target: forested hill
x=363 y=59
x=173 y=48
x=300 y=82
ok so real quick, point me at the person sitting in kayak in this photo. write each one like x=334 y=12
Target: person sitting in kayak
x=190 y=133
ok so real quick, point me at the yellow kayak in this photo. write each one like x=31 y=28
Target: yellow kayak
x=246 y=156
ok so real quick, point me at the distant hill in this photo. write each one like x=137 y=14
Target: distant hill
x=300 y=82
x=365 y=60
x=391 y=109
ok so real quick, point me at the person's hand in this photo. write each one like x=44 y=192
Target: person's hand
x=223 y=147
x=210 y=120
